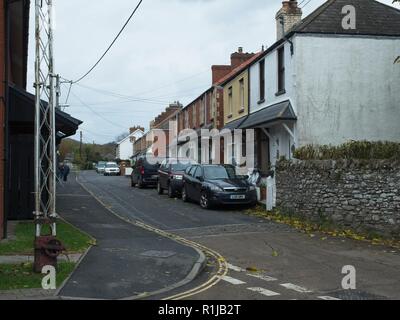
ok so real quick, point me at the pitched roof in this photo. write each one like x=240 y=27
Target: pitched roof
x=238 y=69
x=372 y=18
x=130 y=135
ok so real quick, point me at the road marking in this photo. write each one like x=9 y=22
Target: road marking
x=235 y=268
x=328 y=298
x=262 y=276
x=291 y=286
x=264 y=292
x=232 y=280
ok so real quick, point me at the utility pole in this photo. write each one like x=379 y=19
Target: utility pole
x=47 y=247
x=80 y=145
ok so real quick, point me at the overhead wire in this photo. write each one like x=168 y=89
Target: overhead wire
x=111 y=45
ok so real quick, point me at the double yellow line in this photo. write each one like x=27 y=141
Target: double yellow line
x=222 y=269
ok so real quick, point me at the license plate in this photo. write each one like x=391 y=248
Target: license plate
x=238 y=197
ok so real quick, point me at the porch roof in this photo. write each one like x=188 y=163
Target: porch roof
x=236 y=124
x=282 y=111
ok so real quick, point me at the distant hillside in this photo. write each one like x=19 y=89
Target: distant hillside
x=70 y=150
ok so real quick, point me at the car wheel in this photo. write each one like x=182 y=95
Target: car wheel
x=171 y=192
x=204 y=201
x=184 y=195
x=159 y=189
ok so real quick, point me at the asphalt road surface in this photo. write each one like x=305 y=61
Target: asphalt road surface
x=289 y=264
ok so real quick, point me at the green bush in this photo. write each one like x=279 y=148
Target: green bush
x=364 y=150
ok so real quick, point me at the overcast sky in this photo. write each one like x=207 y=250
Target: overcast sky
x=164 y=55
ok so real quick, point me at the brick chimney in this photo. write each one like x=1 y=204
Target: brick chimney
x=237 y=58
x=287 y=17
x=135 y=128
x=219 y=71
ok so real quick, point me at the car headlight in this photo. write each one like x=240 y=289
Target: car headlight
x=215 y=188
x=252 y=188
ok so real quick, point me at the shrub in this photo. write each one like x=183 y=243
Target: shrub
x=364 y=150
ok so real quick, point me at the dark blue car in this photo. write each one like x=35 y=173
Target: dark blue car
x=212 y=185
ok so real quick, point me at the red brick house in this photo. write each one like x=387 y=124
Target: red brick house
x=207 y=110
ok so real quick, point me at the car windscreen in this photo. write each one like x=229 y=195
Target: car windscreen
x=179 y=166
x=219 y=172
x=111 y=166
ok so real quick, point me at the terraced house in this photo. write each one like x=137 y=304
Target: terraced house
x=321 y=83
x=207 y=112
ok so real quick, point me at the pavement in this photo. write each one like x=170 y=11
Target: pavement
x=127 y=261
x=266 y=260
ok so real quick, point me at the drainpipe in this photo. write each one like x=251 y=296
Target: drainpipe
x=285 y=37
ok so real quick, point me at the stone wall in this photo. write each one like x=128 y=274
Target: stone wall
x=362 y=195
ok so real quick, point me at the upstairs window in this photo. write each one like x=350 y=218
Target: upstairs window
x=242 y=95
x=187 y=119
x=202 y=111
x=281 y=70
x=194 y=122
x=262 y=80
x=230 y=101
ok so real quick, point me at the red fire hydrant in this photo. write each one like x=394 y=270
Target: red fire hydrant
x=47 y=249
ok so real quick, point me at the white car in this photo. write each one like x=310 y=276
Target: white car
x=111 y=169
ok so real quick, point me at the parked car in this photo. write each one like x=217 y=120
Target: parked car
x=170 y=176
x=101 y=166
x=112 y=169
x=145 y=172
x=212 y=185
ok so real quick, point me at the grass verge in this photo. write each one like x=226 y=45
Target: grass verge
x=325 y=227
x=74 y=240
x=21 y=276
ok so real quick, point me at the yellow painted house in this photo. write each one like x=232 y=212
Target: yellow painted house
x=236 y=97
x=236 y=93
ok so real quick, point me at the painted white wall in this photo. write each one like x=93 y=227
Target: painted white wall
x=347 y=88
x=271 y=80
x=125 y=147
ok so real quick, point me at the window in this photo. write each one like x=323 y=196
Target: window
x=198 y=173
x=230 y=102
x=281 y=70
x=213 y=105
x=192 y=170
x=194 y=115
x=262 y=80
x=219 y=172
x=202 y=111
x=187 y=119
x=242 y=96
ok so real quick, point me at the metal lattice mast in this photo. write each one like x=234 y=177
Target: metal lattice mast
x=45 y=133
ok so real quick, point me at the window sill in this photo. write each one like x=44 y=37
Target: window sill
x=281 y=92
x=261 y=101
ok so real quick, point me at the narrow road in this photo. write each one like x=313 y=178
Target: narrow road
x=127 y=261
x=304 y=267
